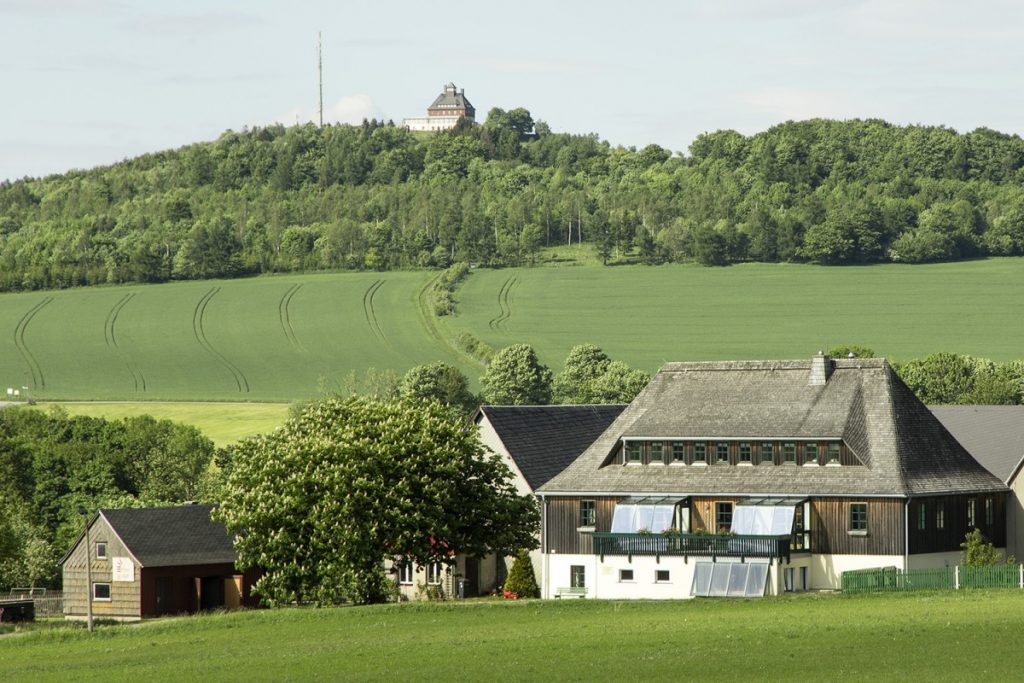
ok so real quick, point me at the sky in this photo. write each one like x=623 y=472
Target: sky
x=91 y=82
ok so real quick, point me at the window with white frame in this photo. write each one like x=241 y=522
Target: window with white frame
x=434 y=573
x=662 y=576
x=405 y=573
x=577 y=576
x=700 y=453
x=723 y=517
x=789 y=453
x=722 y=453
x=101 y=592
x=746 y=453
x=767 y=453
x=858 y=517
x=656 y=453
x=810 y=453
x=678 y=451
x=588 y=513
x=633 y=453
x=834 y=450
x=101 y=551
x=625 y=575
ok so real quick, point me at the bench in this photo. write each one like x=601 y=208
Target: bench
x=575 y=592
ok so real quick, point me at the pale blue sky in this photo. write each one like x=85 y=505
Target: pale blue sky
x=89 y=82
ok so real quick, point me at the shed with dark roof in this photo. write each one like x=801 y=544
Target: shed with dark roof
x=152 y=561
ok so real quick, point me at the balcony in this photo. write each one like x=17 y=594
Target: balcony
x=693 y=545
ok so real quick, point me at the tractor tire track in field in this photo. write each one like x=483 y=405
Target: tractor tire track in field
x=504 y=305
x=284 y=313
x=200 y=333
x=38 y=380
x=110 y=336
x=370 y=312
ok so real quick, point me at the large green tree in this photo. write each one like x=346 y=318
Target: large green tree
x=515 y=376
x=320 y=503
x=440 y=382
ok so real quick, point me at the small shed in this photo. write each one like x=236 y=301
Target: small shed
x=148 y=562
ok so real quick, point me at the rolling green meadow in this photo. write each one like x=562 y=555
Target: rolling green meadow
x=283 y=338
x=922 y=636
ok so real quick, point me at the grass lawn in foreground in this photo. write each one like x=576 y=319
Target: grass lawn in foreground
x=223 y=423
x=923 y=636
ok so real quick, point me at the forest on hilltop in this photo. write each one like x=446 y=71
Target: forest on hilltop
x=377 y=196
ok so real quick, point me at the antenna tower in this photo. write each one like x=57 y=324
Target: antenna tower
x=320 y=76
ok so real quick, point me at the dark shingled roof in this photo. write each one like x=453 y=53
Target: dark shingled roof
x=450 y=99
x=172 y=536
x=994 y=435
x=905 y=450
x=543 y=440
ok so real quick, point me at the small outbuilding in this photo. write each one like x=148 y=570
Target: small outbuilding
x=148 y=562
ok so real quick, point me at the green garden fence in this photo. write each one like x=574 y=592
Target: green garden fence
x=892 y=579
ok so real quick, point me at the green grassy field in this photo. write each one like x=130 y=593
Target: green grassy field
x=932 y=636
x=224 y=423
x=289 y=337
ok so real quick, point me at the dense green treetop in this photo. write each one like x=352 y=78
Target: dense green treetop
x=324 y=500
x=379 y=197
x=515 y=376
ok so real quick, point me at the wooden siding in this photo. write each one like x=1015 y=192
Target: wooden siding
x=702 y=512
x=563 y=523
x=830 y=521
x=932 y=539
x=124 y=600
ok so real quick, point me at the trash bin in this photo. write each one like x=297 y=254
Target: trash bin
x=462 y=588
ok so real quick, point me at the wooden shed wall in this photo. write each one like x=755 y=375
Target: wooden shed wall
x=830 y=523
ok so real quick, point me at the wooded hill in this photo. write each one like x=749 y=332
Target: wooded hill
x=379 y=197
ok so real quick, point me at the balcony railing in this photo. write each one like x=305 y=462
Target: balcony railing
x=692 y=545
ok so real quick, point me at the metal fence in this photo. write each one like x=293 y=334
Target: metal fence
x=891 y=579
x=48 y=603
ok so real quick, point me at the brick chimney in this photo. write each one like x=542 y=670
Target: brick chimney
x=821 y=369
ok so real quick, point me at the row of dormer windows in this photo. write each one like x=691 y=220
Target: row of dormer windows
x=636 y=452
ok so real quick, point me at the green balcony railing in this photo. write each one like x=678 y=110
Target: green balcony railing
x=692 y=545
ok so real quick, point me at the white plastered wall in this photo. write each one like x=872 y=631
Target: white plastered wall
x=1015 y=518
x=826 y=571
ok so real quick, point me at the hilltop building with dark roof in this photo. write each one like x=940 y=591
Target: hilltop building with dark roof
x=147 y=562
x=445 y=111
x=751 y=478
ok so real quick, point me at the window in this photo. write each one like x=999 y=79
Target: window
x=768 y=453
x=700 y=452
x=746 y=453
x=633 y=451
x=859 y=517
x=662 y=576
x=678 y=452
x=833 y=453
x=972 y=510
x=434 y=573
x=625 y=575
x=940 y=515
x=789 y=453
x=810 y=454
x=577 y=576
x=656 y=452
x=588 y=515
x=722 y=454
x=101 y=592
x=723 y=517
x=922 y=517
x=989 y=511
x=405 y=573
x=101 y=551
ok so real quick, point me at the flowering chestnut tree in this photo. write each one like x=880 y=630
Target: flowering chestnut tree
x=320 y=503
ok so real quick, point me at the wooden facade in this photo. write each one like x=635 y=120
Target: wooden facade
x=830 y=524
x=939 y=524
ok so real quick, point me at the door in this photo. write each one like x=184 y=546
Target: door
x=164 y=596
x=472 y=577
x=211 y=592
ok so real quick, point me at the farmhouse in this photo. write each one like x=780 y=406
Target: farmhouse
x=535 y=443
x=752 y=478
x=445 y=112
x=154 y=561
x=994 y=435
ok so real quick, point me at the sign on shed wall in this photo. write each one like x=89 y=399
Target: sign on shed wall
x=124 y=569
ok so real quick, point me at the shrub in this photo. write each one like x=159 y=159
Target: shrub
x=521 y=580
x=978 y=552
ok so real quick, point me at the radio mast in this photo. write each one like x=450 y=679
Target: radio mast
x=320 y=77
